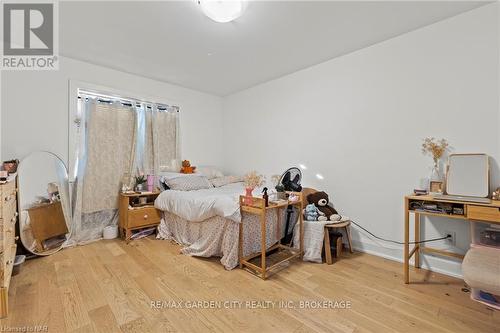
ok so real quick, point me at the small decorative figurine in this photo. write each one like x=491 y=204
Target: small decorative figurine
x=496 y=194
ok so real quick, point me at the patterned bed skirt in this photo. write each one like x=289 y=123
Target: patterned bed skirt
x=218 y=236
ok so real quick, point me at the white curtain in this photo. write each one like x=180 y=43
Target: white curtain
x=164 y=136
x=158 y=142
x=115 y=139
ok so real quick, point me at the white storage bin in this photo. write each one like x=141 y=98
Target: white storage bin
x=485 y=234
x=110 y=232
x=485 y=298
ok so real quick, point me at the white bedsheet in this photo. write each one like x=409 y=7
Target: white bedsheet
x=199 y=205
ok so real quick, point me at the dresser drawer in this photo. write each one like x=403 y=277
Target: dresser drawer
x=8 y=264
x=7 y=232
x=8 y=235
x=143 y=217
x=482 y=213
x=8 y=218
x=8 y=193
x=9 y=211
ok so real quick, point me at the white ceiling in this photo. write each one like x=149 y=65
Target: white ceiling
x=176 y=43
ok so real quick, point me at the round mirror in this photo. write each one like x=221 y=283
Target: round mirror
x=43 y=203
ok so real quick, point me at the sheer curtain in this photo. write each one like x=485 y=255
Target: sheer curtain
x=158 y=142
x=116 y=139
x=164 y=139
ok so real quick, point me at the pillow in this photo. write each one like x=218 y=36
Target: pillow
x=209 y=171
x=171 y=175
x=164 y=176
x=188 y=183
x=221 y=181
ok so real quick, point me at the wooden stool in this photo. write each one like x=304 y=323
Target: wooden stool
x=328 y=252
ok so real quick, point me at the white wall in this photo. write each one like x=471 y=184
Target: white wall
x=35 y=110
x=359 y=120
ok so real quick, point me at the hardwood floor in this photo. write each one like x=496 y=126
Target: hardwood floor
x=108 y=286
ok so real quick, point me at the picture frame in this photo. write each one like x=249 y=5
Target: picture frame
x=436 y=186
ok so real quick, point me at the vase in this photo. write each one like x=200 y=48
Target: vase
x=248 y=196
x=435 y=174
x=139 y=187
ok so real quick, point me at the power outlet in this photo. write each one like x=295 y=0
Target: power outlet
x=453 y=239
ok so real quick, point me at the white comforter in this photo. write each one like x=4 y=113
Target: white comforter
x=199 y=205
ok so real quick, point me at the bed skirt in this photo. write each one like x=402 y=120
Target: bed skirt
x=217 y=236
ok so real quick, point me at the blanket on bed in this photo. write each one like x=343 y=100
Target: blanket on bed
x=199 y=205
x=217 y=236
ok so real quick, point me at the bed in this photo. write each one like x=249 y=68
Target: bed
x=206 y=223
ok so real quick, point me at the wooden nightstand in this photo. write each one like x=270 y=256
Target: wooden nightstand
x=134 y=215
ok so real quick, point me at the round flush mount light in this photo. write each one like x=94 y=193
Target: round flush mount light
x=223 y=10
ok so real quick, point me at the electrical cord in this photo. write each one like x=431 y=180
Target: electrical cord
x=396 y=242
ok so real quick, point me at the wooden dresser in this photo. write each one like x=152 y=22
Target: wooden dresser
x=8 y=219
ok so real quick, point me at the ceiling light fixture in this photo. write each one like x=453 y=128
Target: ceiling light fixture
x=223 y=10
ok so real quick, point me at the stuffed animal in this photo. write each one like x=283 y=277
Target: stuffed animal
x=187 y=167
x=320 y=200
x=312 y=213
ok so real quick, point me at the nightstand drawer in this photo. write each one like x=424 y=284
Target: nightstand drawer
x=143 y=216
x=482 y=213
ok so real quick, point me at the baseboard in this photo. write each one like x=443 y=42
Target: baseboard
x=433 y=263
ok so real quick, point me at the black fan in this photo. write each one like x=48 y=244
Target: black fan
x=290 y=180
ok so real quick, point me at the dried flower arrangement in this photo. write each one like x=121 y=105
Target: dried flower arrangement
x=253 y=179
x=435 y=148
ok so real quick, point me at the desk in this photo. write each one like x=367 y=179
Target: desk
x=472 y=211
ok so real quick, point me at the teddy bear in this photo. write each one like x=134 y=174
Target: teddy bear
x=187 y=167
x=320 y=200
x=312 y=213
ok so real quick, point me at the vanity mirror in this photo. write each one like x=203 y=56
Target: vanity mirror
x=44 y=203
x=468 y=175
